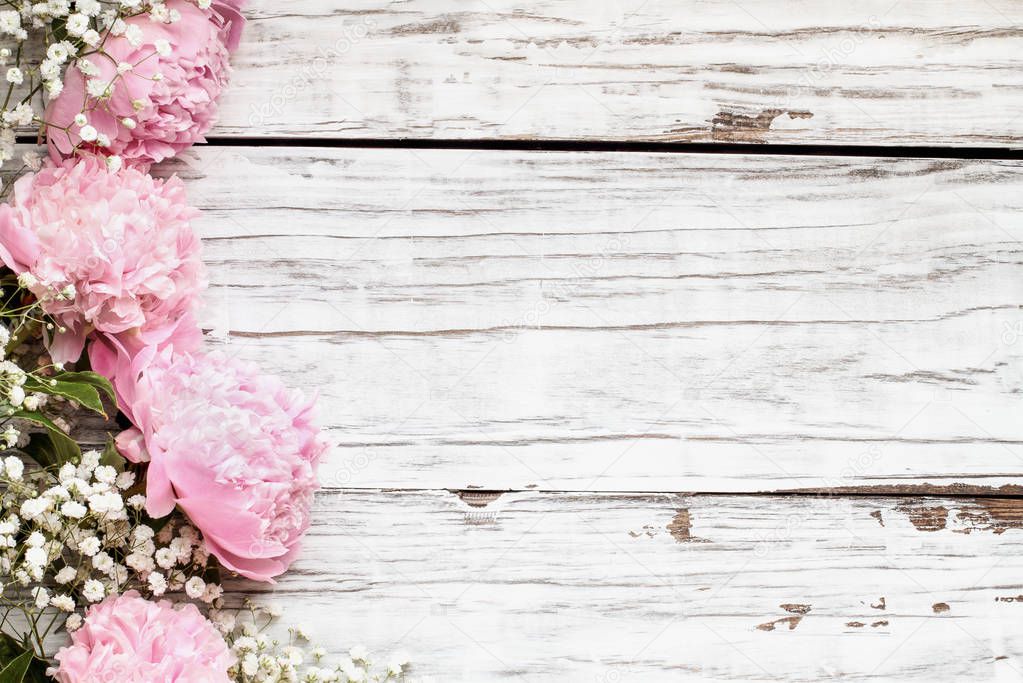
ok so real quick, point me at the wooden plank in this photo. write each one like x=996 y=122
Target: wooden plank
x=584 y=587
x=570 y=321
x=876 y=72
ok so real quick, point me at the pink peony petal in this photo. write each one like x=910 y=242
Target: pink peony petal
x=128 y=639
x=234 y=449
x=122 y=240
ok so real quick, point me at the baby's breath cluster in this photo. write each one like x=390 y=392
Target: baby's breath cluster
x=73 y=536
x=262 y=658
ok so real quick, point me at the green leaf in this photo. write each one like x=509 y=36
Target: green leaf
x=10 y=649
x=84 y=395
x=58 y=27
x=16 y=670
x=52 y=447
x=84 y=388
x=93 y=379
x=49 y=451
x=11 y=654
x=111 y=456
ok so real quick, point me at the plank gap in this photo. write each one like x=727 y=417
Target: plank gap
x=480 y=495
x=642 y=147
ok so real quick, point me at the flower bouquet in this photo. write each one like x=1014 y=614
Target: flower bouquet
x=111 y=557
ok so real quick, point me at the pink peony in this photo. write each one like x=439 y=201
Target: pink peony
x=121 y=240
x=233 y=448
x=164 y=116
x=129 y=639
x=231 y=13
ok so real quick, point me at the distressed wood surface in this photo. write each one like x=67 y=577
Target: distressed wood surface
x=877 y=72
x=598 y=321
x=641 y=587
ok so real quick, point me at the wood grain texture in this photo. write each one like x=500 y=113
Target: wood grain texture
x=591 y=587
x=570 y=321
x=877 y=72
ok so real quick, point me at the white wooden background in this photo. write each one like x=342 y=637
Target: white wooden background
x=640 y=415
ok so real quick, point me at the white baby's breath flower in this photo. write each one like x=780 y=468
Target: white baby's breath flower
x=64 y=603
x=49 y=69
x=10 y=435
x=124 y=480
x=93 y=591
x=250 y=664
x=195 y=587
x=31 y=159
x=105 y=474
x=65 y=575
x=224 y=621
x=103 y=503
x=140 y=563
x=292 y=655
x=57 y=492
x=165 y=558
x=350 y=670
x=77 y=24
x=14 y=467
x=182 y=549
x=89 y=546
x=10 y=22
x=157 y=583
x=87 y=68
x=23 y=115
x=213 y=592
x=33 y=507
x=78 y=486
x=88 y=7
x=98 y=88
x=36 y=557
x=73 y=509
x=58 y=52
x=91 y=460
x=88 y=133
x=133 y=34
x=41 y=597
x=103 y=562
x=73 y=622
x=159 y=13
